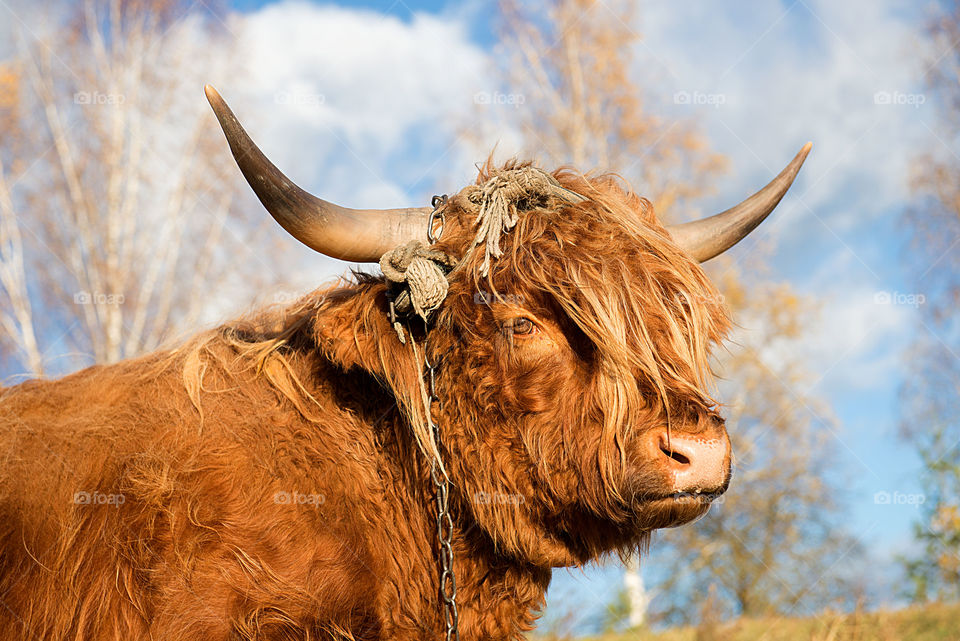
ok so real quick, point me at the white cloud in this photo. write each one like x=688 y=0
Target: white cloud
x=862 y=326
x=808 y=70
x=356 y=104
x=861 y=336
x=853 y=343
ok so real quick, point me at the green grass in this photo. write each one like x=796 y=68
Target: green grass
x=934 y=622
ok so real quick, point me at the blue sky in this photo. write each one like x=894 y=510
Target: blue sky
x=844 y=75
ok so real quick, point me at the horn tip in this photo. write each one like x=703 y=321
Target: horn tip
x=211 y=93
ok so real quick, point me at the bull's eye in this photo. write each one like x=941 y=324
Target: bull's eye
x=522 y=326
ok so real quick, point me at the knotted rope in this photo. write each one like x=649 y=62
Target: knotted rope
x=498 y=202
x=423 y=270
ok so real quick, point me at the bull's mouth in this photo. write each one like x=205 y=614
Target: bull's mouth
x=680 y=498
x=696 y=496
x=656 y=510
x=672 y=510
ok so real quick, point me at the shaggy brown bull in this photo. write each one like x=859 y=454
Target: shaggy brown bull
x=271 y=479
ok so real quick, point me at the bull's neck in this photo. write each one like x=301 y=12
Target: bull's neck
x=483 y=575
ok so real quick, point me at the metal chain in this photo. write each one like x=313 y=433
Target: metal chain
x=448 y=580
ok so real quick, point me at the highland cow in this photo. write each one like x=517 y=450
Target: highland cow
x=273 y=478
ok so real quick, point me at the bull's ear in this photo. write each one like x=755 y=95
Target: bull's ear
x=352 y=331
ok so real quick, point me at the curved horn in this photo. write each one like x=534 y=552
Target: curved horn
x=703 y=239
x=360 y=235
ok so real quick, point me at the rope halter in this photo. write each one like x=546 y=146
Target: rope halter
x=498 y=202
x=422 y=271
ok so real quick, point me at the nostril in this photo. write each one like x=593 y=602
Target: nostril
x=692 y=462
x=676 y=456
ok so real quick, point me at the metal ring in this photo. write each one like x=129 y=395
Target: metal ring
x=438 y=203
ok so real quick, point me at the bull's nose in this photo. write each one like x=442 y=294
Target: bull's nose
x=696 y=463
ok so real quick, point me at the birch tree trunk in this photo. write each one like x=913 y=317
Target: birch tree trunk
x=637 y=598
x=112 y=234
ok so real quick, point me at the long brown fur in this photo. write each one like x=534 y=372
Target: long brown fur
x=267 y=480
